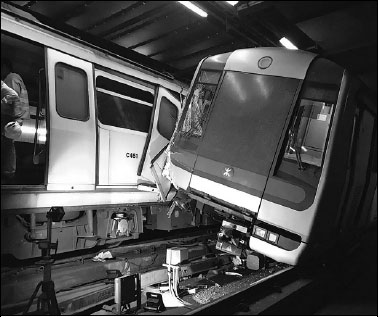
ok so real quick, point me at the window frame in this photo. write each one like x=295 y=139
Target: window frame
x=159 y=113
x=198 y=81
x=123 y=81
x=87 y=95
x=327 y=137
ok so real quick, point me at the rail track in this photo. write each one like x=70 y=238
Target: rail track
x=275 y=289
x=302 y=290
x=75 y=275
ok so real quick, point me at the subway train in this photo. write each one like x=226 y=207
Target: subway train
x=283 y=144
x=98 y=122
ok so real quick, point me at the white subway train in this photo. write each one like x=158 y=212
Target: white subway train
x=282 y=143
x=97 y=122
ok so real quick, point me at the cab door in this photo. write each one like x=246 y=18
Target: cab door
x=164 y=122
x=72 y=138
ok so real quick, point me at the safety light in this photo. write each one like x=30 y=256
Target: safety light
x=194 y=8
x=289 y=45
x=232 y=2
x=260 y=232
x=272 y=237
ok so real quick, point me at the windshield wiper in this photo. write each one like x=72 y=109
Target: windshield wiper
x=293 y=146
x=301 y=167
x=293 y=138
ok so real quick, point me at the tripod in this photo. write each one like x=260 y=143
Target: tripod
x=47 y=302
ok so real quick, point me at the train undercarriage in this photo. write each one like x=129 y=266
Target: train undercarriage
x=22 y=231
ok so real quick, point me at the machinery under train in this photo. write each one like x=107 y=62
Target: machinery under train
x=97 y=122
x=283 y=143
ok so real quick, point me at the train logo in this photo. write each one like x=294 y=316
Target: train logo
x=264 y=62
x=228 y=172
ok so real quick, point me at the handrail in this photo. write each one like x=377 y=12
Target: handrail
x=36 y=158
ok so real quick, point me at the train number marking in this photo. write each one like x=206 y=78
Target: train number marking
x=132 y=155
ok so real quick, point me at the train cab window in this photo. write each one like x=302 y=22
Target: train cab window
x=308 y=133
x=200 y=103
x=123 y=105
x=26 y=151
x=167 y=118
x=71 y=92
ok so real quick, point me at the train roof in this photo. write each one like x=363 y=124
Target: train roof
x=133 y=58
x=274 y=61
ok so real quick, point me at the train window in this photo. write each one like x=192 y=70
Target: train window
x=200 y=103
x=308 y=133
x=123 y=106
x=306 y=144
x=123 y=89
x=167 y=118
x=209 y=77
x=71 y=92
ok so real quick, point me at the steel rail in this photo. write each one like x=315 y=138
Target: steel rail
x=70 y=275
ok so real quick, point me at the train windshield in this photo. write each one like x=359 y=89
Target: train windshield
x=199 y=105
x=247 y=120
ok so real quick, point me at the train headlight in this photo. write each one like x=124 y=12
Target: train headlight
x=272 y=237
x=260 y=232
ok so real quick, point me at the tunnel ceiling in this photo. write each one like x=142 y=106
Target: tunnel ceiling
x=175 y=38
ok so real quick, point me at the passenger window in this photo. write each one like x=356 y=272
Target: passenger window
x=200 y=103
x=71 y=92
x=124 y=89
x=167 y=118
x=123 y=106
x=308 y=133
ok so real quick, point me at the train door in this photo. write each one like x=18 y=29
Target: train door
x=359 y=170
x=124 y=108
x=164 y=122
x=72 y=139
x=24 y=71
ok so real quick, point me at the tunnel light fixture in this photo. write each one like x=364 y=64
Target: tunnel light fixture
x=289 y=45
x=194 y=8
x=232 y=2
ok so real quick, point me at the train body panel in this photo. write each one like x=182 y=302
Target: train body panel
x=223 y=193
x=32 y=201
x=290 y=257
x=275 y=135
x=301 y=219
x=294 y=221
x=161 y=132
x=98 y=123
x=270 y=61
x=71 y=131
x=82 y=145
